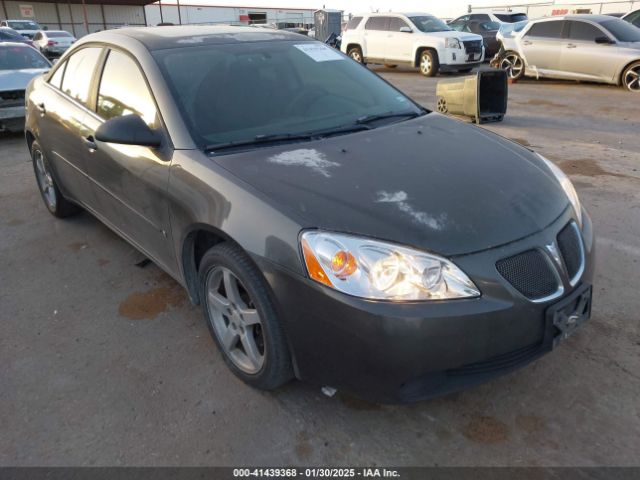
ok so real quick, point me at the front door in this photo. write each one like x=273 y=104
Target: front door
x=375 y=34
x=542 y=47
x=129 y=181
x=399 y=46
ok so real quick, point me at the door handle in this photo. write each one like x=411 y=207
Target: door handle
x=527 y=42
x=90 y=143
x=41 y=108
x=572 y=45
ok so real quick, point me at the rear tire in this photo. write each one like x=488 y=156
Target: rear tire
x=429 y=63
x=242 y=318
x=356 y=54
x=631 y=77
x=53 y=199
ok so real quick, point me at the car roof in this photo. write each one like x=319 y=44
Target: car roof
x=54 y=31
x=15 y=44
x=160 y=38
x=577 y=16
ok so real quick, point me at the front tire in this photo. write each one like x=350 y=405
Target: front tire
x=53 y=199
x=631 y=77
x=513 y=64
x=242 y=318
x=429 y=63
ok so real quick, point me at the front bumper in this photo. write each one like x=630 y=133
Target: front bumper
x=408 y=352
x=452 y=59
x=12 y=118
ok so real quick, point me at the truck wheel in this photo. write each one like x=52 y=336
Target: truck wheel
x=356 y=54
x=429 y=63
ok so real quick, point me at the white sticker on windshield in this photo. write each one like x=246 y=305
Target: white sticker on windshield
x=319 y=52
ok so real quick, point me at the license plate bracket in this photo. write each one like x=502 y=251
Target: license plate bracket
x=569 y=315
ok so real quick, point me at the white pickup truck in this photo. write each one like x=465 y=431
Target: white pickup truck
x=416 y=39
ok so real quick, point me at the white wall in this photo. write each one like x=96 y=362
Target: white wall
x=228 y=15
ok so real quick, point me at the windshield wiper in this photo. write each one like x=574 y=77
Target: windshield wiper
x=264 y=140
x=381 y=116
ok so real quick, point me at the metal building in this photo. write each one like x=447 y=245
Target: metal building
x=77 y=16
x=165 y=12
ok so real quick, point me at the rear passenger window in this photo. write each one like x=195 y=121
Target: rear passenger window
x=122 y=94
x=377 y=23
x=56 y=78
x=584 y=31
x=353 y=23
x=552 y=29
x=79 y=72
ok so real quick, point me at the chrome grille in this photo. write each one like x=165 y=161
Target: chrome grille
x=473 y=46
x=12 y=98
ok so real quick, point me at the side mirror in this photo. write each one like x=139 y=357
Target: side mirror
x=128 y=130
x=45 y=28
x=604 y=40
x=406 y=30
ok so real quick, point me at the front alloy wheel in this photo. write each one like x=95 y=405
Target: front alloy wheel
x=513 y=64
x=235 y=320
x=631 y=77
x=356 y=54
x=429 y=64
x=242 y=318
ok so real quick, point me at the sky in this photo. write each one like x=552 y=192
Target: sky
x=448 y=8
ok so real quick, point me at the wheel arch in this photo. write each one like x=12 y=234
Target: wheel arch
x=419 y=50
x=624 y=69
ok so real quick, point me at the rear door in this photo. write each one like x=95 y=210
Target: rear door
x=400 y=44
x=130 y=182
x=583 y=58
x=62 y=106
x=542 y=46
x=375 y=34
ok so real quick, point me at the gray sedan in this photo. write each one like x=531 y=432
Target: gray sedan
x=597 y=48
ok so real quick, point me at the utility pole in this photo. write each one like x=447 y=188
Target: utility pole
x=86 y=18
x=160 y=5
x=179 y=14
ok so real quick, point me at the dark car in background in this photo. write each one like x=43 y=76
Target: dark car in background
x=339 y=233
x=19 y=63
x=485 y=28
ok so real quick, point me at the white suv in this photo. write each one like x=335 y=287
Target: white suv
x=416 y=39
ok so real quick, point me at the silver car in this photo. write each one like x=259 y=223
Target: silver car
x=19 y=63
x=596 y=48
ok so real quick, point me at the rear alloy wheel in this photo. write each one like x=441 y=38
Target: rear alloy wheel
x=513 y=64
x=51 y=195
x=429 y=64
x=242 y=319
x=631 y=77
x=356 y=54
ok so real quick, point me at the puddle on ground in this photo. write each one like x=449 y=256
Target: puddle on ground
x=148 y=305
x=521 y=141
x=588 y=168
x=486 y=430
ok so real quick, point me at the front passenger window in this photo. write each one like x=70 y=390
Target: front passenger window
x=79 y=72
x=548 y=29
x=584 y=31
x=125 y=94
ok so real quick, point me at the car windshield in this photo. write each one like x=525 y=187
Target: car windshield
x=429 y=24
x=256 y=90
x=24 y=25
x=19 y=58
x=490 y=26
x=623 y=31
x=509 y=28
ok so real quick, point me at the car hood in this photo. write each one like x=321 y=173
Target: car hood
x=455 y=34
x=18 y=79
x=433 y=182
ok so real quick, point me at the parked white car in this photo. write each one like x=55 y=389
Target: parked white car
x=416 y=39
x=596 y=48
x=53 y=43
x=26 y=28
x=633 y=18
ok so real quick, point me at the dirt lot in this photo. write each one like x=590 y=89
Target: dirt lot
x=105 y=363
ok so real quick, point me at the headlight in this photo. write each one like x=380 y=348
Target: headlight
x=568 y=188
x=453 y=43
x=382 y=271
